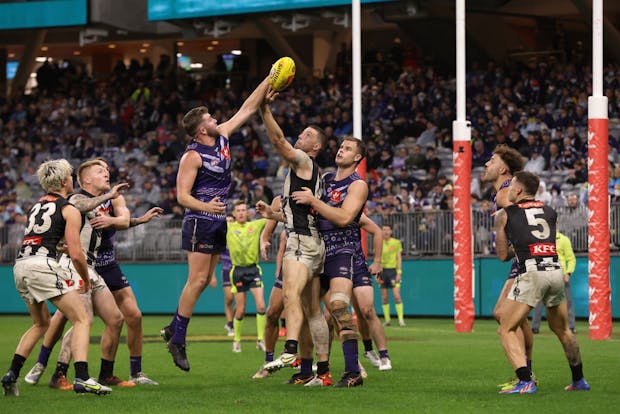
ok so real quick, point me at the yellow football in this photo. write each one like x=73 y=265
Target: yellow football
x=282 y=73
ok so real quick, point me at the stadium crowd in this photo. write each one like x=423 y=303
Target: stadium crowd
x=132 y=118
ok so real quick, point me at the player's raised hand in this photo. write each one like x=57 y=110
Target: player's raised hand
x=152 y=213
x=264 y=209
x=215 y=206
x=118 y=189
x=304 y=196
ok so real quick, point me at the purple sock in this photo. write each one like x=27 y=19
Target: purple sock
x=269 y=356
x=135 y=365
x=383 y=353
x=306 y=367
x=173 y=322
x=44 y=355
x=180 y=329
x=349 y=349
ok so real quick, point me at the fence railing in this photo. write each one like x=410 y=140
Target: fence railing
x=427 y=233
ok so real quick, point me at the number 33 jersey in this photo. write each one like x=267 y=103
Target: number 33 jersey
x=531 y=227
x=45 y=227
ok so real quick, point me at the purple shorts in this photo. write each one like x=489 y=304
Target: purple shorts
x=113 y=276
x=350 y=265
x=226 y=277
x=203 y=236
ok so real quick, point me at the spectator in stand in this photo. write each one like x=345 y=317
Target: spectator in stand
x=536 y=163
x=558 y=199
x=400 y=158
x=416 y=159
x=479 y=155
x=579 y=174
x=614 y=178
x=542 y=194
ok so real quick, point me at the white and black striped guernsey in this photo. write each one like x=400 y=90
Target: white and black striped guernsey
x=45 y=228
x=300 y=218
x=90 y=239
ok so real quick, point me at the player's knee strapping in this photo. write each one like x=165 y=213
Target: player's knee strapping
x=340 y=303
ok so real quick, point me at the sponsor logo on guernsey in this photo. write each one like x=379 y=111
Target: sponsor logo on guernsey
x=531 y=204
x=49 y=198
x=32 y=241
x=542 y=249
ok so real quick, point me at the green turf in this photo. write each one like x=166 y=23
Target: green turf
x=435 y=370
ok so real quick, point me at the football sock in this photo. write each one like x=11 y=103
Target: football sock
x=81 y=370
x=399 y=311
x=44 y=355
x=322 y=367
x=290 y=346
x=238 y=324
x=577 y=371
x=269 y=356
x=180 y=330
x=107 y=369
x=261 y=319
x=386 y=312
x=135 y=365
x=383 y=353
x=367 y=345
x=17 y=363
x=349 y=349
x=61 y=368
x=306 y=367
x=523 y=374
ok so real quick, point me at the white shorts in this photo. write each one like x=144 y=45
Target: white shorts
x=96 y=281
x=535 y=286
x=309 y=250
x=38 y=278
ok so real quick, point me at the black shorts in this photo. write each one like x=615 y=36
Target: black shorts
x=113 y=276
x=245 y=278
x=389 y=278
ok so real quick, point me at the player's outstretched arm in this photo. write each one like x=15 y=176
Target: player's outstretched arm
x=340 y=216
x=248 y=108
x=148 y=216
x=85 y=204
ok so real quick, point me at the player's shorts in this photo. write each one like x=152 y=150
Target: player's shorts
x=350 y=264
x=388 y=276
x=96 y=281
x=226 y=277
x=203 y=236
x=534 y=286
x=310 y=250
x=514 y=269
x=245 y=278
x=38 y=278
x=278 y=283
x=113 y=276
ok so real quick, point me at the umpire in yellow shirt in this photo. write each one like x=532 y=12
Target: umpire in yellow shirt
x=566 y=255
x=243 y=239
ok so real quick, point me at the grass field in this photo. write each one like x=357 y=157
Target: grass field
x=435 y=370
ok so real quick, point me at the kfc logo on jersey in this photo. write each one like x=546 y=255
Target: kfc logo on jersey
x=32 y=241
x=335 y=196
x=225 y=153
x=543 y=249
